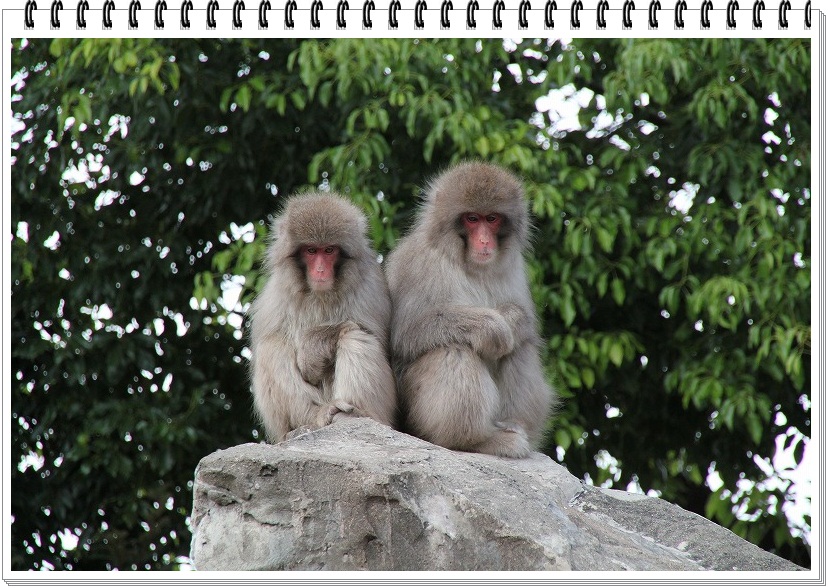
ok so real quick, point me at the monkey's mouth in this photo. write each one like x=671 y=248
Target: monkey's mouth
x=322 y=285
x=482 y=257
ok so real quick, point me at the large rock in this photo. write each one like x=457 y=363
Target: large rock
x=360 y=496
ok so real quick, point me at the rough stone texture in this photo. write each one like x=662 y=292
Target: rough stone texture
x=360 y=496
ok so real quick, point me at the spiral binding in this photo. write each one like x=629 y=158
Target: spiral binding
x=416 y=16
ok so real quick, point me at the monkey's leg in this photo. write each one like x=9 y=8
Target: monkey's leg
x=453 y=401
x=526 y=397
x=363 y=384
x=283 y=400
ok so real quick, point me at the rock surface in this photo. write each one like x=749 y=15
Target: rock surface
x=360 y=496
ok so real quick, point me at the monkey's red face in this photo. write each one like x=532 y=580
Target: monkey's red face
x=482 y=231
x=320 y=266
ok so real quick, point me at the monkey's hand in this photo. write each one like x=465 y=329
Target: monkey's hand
x=519 y=321
x=316 y=352
x=492 y=338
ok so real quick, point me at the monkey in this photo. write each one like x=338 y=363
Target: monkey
x=319 y=328
x=464 y=343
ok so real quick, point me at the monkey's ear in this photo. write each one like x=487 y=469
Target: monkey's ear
x=279 y=247
x=279 y=231
x=438 y=197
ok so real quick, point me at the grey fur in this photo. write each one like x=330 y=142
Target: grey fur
x=319 y=356
x=464 y=340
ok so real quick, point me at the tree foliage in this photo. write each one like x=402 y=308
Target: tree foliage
x=670 y=264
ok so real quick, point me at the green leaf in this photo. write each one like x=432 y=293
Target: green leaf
x=563 y=439
x=482 y=146
x=616 y=354
x=601 y=284
x=618 y=291
x=605 y=239
x=299 y=100
x=588 y=377
x=567 y=311
x=755 y=427
x=243 y=97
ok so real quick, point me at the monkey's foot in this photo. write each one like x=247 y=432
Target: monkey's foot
x=509 y=440
x=337 y=410
x=297 y=432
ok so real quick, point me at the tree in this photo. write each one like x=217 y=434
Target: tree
x=670 y=262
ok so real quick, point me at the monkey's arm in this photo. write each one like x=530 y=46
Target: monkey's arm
x=521 y=322
x=316 y=351
x=485 y=330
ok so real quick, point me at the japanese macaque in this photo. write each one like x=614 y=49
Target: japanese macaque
x=319 y=327
x=464 y=343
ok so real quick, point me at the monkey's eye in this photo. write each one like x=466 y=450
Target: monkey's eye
x=329 y=250
x=471 y=218
x=310 y=250
x=493 y=219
